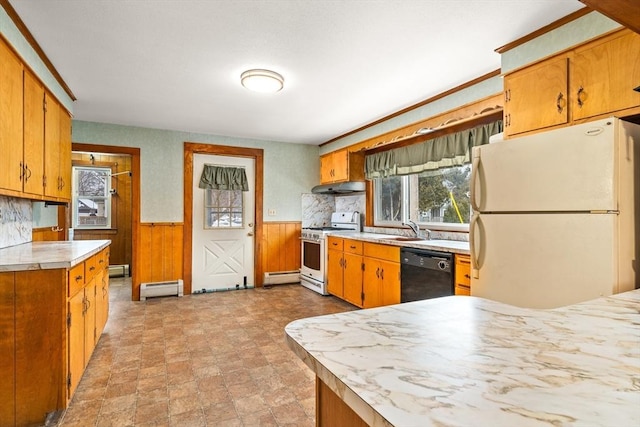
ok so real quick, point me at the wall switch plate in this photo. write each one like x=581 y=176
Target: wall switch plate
x=271 y=212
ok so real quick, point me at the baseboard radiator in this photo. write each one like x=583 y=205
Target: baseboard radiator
x=161 y=289
x=281 y=277
x=121 y=270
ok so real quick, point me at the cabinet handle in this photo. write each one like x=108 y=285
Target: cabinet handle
x=101 y=261
x=560 y=102
x=21 y=171
x=92 y=268
x=580 y=100
x=78 y=278
x=345 y=263
x=466 y=276
x=378 y=272
x=382 y=273
x=84 y=305
x=340 y=262
x=352 y=247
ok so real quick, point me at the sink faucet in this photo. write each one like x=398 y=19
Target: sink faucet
x=413 y=226
x=416 y=228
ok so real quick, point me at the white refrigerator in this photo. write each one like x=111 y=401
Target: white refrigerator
x=555 y=215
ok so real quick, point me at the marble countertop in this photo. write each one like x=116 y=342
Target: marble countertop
x=453 y=246
x=49 y=255
x=466 y=361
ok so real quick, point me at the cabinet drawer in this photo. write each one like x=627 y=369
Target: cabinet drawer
x=353 y=247
x=102 y=261
x=463 y=290
x=76 y=279
x=335 y=243
x=386 y=252
x=91 y=267
x=463 y=270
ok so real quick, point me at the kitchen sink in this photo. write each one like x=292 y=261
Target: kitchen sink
x=406 y=239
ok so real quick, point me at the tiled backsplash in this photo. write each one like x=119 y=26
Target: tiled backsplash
x=16 y=221
x=317 y=208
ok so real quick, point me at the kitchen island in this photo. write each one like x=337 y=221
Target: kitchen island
x=54 y=304
x=463 y=361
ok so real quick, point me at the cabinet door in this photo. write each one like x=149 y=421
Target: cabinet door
x=326 y=169
x=75 y=338
x=11 y=124
x=335 y=273
x=603 y=75
x=64 y=168
x=463 y=275
x=40 y=356
x=389 y=283
x=52 y=146
x=7 y=348
x=536 y=97
x=341 y=165
x=102 y=302
x=33 y=135
x=371 y=283
x=353 y=279
x=89 y=320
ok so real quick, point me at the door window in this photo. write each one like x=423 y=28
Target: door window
x=223 y=209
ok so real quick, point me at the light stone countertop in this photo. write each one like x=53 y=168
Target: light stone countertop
x=49 y=255
x=453 y=246
x=467 y=361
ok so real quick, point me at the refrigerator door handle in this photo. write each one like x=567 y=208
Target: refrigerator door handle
x=475 y=166
x=475 y=268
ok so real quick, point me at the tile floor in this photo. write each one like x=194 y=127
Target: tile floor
x=216 y=359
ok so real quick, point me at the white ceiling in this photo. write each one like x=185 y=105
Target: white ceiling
x=175 y=64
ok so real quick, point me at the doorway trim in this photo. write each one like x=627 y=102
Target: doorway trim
x=191 y=148
x=135 y=201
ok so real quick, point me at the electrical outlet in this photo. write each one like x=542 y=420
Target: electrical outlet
x=272 y=212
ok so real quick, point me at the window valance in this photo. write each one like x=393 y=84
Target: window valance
x=441 y=152
x=223 y=178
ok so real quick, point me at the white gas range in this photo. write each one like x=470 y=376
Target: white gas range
x=313 y=272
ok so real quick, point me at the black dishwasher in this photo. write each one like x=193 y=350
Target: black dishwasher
x=425 y=274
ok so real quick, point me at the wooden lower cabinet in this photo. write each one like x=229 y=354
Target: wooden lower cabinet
x=344 y=274
x=463 y=275
x=353 y=278
x=46 y=338
x=331 y=411
x=362 y=273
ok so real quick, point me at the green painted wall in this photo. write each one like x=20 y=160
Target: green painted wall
x=289 y=169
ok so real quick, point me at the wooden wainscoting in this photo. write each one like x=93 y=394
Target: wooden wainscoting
x=160 y=253
x=280 y=246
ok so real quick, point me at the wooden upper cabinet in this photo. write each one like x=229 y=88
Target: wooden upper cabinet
x=52 y=146
x=536 y=97
x=35 y=135
x=341 y=166
x=590 y=81
x=603 y=75
x=11 y=125
x=33 y=180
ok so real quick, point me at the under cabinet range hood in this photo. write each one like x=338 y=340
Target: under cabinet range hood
x=340 y=188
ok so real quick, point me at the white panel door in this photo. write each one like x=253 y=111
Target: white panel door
x=569 y=169
x=222 y=256
x=543 y=260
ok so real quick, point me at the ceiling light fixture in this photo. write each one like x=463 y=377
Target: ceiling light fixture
x=264 y=81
